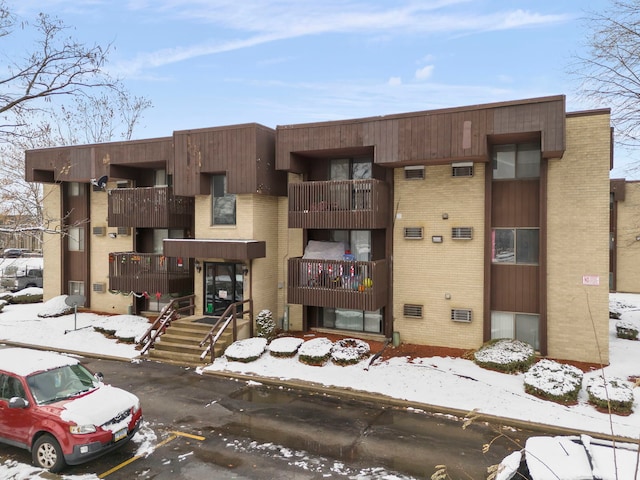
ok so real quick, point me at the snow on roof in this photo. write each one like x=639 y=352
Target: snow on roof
x=24 y=361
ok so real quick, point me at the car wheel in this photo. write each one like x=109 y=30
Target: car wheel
x=48 y=454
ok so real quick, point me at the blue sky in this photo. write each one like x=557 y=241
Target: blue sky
x=207 y=63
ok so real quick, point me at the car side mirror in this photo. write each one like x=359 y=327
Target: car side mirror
x=18 y=402
x=99 y=376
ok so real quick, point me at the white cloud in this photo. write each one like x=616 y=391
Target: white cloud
x=395 y=81
x=424 y=73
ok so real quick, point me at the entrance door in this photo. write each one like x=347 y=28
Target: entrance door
x=223 y=286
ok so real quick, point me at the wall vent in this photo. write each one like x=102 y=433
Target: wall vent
x=461 y=315
x=462 y=169
x=413 y=233
x=124 y=231
x=462 y=233
x=99 y=231
x=412 y=311
x=414 y=172
x=99 y=287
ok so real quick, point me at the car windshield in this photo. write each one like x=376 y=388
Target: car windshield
x=61 y=383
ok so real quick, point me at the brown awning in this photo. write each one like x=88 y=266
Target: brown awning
x=213 y=248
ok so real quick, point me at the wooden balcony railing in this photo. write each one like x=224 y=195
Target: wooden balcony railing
x=340 y=204
x=149 y=207
x=339 y=284
x=149 y=272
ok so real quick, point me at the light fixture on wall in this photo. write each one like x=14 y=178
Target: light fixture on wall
x=113 y=235
x=245 y=270
x=198 y=265
x=445 y=216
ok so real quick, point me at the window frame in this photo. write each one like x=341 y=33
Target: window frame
x=227 y=197
x=519 y=161
x=76 y=239
x=515 y=327
x=515 y=247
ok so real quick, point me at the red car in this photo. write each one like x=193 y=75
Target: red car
x=53 y=406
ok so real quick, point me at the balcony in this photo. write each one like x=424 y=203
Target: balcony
x=340 y=205
x=150 y=272
x=149 y=207
x=338 y=284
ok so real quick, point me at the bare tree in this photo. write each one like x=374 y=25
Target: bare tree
x=59 y=94
x=610 y=71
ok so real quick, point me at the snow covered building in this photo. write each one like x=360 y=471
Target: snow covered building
x=446 y=227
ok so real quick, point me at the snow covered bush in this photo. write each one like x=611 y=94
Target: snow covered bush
x=316 y=351
x=613 y=393
x=349 y=351
x=505 y=355
x=265 y=324
x=555 y=381
x=55 y=307
x=246 y=350
x=284 y=347
x=626 y=330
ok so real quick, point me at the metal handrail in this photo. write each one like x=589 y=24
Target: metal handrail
x=230 y=316
x=168 y=313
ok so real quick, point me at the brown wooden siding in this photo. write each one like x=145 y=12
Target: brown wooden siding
x=428 y=137
x=82 y=163
x=329 y=283
x=516 y=203
x=245 y=153
x=515 y=288
x=151 y=273
x=149 y=207
x=75 y=211
x=345 y=204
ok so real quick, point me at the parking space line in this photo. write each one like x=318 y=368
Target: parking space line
x=170 y=438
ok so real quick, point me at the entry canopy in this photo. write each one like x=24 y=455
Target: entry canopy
x=214 y=248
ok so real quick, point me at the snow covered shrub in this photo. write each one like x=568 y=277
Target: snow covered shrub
x=20 y=298
x=349 y=351
x=613 y=393
x=265 y=324
x=246 y=350
x=284 y=347
x=626 y=330
x=315 y=352
x=505 y=355
x=555 y=381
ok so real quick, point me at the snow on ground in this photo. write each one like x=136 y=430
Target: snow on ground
x=444 y=382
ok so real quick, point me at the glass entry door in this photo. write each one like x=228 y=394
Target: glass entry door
x=223 y=286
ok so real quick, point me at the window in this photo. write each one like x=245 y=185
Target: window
x=515 y=245
x=223 y=204
x=519 y=326
x=357 y=241
x=354 y=320
x=516 y=161
x=75 y=239
x=11 y=387
x=76 y=288
x=76 y=189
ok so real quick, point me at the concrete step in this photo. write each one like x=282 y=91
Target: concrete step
x=177 y=358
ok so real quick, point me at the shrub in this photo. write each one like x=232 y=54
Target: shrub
x=285 y=347
x=554 y=381
x=505 y=355
x=26 y=298
x=626 y=330
x=246 y=350
x=265 y=325
x=315 y=352
x=349 y=351
x=611 y=393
